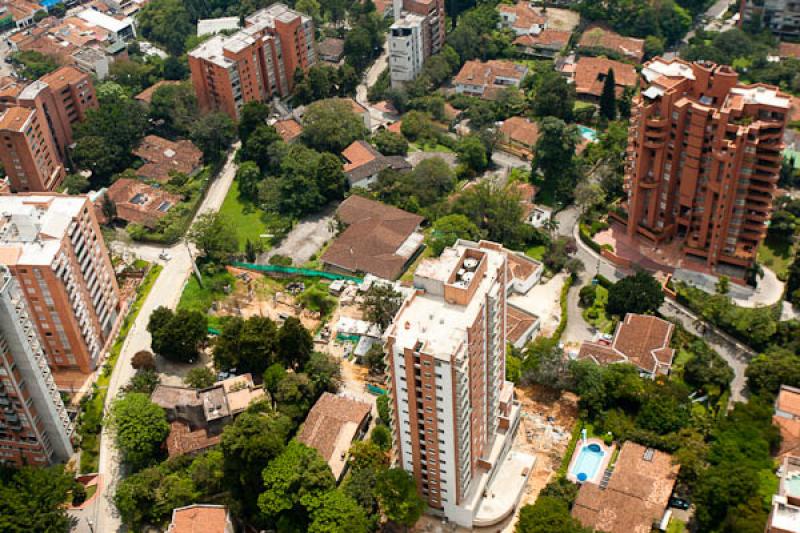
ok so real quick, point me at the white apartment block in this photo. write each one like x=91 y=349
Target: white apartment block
x=35 y=428
x=454 y=414
x=52 y=245
x=406 y=48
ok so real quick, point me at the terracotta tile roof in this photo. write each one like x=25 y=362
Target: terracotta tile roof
x=289 y=129
x=358 y=109
x=520 y=130
x=14 y=118
x=641 y=340
x=525 y=15
x=790 y=435
x=596 y=36
x=551 y=39
x=200 y=519
x=139 y=202
x=182 y=440
x=21 y=9
x=636 y=496
x=789 y=50
x=518 y=323
x=396 y=127
x=788 y=400
x=163 y=156
x=63 y=76
x=365 y=161
x=146 y=96
x=385 y=106
x=380 y=239
x=479 y=74
x=331 y=426
x=590 y=72
x=450 y=112
x=330 y=47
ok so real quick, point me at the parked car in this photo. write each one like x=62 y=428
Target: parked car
x=679 y=503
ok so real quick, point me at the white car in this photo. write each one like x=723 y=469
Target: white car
x=164 y=256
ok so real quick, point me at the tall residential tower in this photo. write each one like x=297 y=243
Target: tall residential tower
x=702 y=165
x=418 y=32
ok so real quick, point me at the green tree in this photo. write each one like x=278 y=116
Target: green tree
x=33 y=65
x=249 y=176
x=358 y=47
x=706 y=368
x=165 y=22
x=256 y=147
x=33 y=499
x=96 y=155
x=497 y=212
x=639 y=293
x=144 y=381
x=472 y=153
x=448 y=229
x=213 y=133
x=295 y=483
x=324 y=373
x=397 y=493
x=382 y=404
x=381 y=437
x=336 y=511
x=608 y=98
x=367 y=463
x=381 y=302
x=252 y=115
x=248 y=446
x=554 y=97
x=247 y=345
x=546 y=364
x=200 y=377
x=548 y=515
x=140 y=428
x=555 y=157
x=177 y=336
x=294 y=396
x=215 y=235
x=331 y=125
x=176 y=105
x=75 y=184
x=131 y=75
x=294 y=344
x=771 y=369
x=389 y=143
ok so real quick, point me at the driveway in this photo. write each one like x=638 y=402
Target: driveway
x=543 y=300
x=370 y=78
x=414 y=158
x=306 y=237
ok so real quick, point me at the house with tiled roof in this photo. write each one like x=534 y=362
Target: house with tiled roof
x=201 y=518
x=589 y=75
x=140 y=203
x=364 y=163
x=289 y=129
x=518 y=136
x=546 y=44
x=787 y=418
x=789 y=50
x=522 y=18
x=636 y=497
x=640 y=340
x=487 y=79
x=332 y=425
x=331 y=50
x=379 y=239
x=597 y=39
x=162 y=158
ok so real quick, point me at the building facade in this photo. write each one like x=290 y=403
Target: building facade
x=35 y=428
x=781 y=17
x=256 y=63
x=53 y=247
x=454 y=414
x=36 y=124
x=702 y=163
x=417 y=33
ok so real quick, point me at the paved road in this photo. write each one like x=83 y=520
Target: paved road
x=369 y=79
x=735 y=353
x=166 y=291
x=712 y=13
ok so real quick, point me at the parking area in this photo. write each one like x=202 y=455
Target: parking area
x=307 y=237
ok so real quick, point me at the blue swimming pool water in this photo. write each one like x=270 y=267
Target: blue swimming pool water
x=587 y=133
x=49 y=3
x=588 y=462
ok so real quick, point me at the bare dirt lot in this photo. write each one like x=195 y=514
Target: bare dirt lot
x=306 y=238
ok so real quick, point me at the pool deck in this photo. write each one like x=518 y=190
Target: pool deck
x=608 y=452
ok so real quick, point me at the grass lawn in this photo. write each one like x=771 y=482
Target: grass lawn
x=675 y=526
x=581 y=105
x=775 y=256
x=414 y=147
x=199 y=298
x=596 y=314
x=537 y=252
x=248 y=219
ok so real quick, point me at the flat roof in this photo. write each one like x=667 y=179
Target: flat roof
x=206 y=26
x=104 y=21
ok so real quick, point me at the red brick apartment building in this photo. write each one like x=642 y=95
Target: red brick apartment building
x=36 y=123
x=702 y=163
x=53 y=247
x=254 y=64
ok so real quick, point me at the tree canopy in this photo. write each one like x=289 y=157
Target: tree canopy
x=140 y=427
x=33 y=499
x=639 y=293
x=176 y=336
x=331 y=125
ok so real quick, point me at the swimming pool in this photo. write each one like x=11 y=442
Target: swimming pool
x=587 y=133
x=587 y=464
x=47 y=4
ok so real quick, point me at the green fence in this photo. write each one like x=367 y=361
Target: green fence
x=294 y=271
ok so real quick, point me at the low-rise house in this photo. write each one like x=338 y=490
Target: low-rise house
x=332 y=425
x=20 y=13
x=364 y=163
x=518 y=136
x=197 y=417
x=331 y=50
x=589 y=75
x=787 y=418
x=600 y=40
x=789 y=50
x=641 y=340
x=522 y=18
x=146 y=96
x=119 y=29
x=533 y=214
x=379 y=239
x=201 y=518
x=637 y=494
x=546 y=44
x=487 y=79
x=785 y=514
x=289 y=129
x=162 y=158
x=139 y=203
